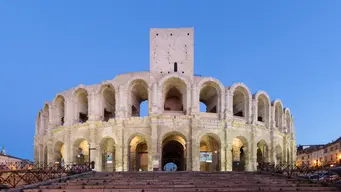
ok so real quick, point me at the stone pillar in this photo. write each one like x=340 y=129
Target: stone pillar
x=98 y=158
x=195 y=155
x=125 y=157
x=118 y=157
x=50 y=151
x=222 y=156
x=189 y=155
x=156 y=161
x=222 y=105
x=92 y=142
x=195 y=100
x=68 y=112
x=228 y=157
x=254 y=111
x=68 y=153
x=94 y=107
x=252 y=152
x=272 y=146
x=229 y=104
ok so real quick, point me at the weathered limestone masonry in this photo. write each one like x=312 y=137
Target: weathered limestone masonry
x=237 y=131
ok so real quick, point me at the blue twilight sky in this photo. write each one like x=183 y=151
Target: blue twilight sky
x=291 y=49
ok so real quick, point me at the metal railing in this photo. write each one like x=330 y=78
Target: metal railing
x=320 y=174
x=15 y=174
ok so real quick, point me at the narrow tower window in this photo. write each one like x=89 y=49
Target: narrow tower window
x=175 y=67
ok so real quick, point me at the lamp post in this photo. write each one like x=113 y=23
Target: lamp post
x=89 y=147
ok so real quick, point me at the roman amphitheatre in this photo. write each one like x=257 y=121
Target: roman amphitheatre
x=237 y=130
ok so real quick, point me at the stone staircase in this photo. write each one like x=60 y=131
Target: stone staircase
x=180 y=182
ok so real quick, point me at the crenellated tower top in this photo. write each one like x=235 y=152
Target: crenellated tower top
x=172 y=50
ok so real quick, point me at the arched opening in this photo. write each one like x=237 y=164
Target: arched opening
x=262 y=153
x=138 y=154
x=239 y=102
x=174 y=95
x=139 y=98
x=209 y=153
x=107 y=149
x=209 y=96
x=60 y=110
x=288 y=121
x=263 y=109
x=174 y=153
x=279 y=157
x=81 y=151
x=82 y=105
x=108 y=102
x=59 y=153
x=239 y=151
x=278 y=115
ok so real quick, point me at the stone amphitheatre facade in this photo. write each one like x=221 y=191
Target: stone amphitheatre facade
x=237 y=130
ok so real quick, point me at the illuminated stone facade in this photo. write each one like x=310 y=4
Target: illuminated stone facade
x=237 y=130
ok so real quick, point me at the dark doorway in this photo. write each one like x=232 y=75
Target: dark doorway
x=173 y=152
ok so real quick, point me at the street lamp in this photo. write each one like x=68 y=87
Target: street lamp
x=89 y=147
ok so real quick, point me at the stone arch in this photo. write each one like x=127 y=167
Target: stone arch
x=278 y=113
x=210 y=152
x=59 y=112
x=263 y=152
x=82 y=104
x=174 y=151
x=279 y=154
x=210 y=91
x=288 y=120
x=107 y=151
x=138 y=154
x=174 y=93
x=138 y=92
x=241 y=100
x=263 y=107
x=240 y=159
x=59 y=152
x=108 y=101
x=80 y=149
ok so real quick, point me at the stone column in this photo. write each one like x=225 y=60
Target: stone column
x=252 y=152
x=195 y=155
x=98 y=158
x=68 y=154
x=222 y=157
x=156 y=161
x=254 y=111
x=222 y=98
x=229 y=104
x=228 y=157
x=92 y=142
x=50 y=151
x=195 y=100
x=68 y=112
x=272 y=157
x=94 y=106
x=189 y=155
x=118 y=157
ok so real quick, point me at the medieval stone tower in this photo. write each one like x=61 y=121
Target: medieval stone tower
x=172 y=50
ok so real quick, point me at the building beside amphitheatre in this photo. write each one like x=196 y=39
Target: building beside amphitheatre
x=237 y=130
